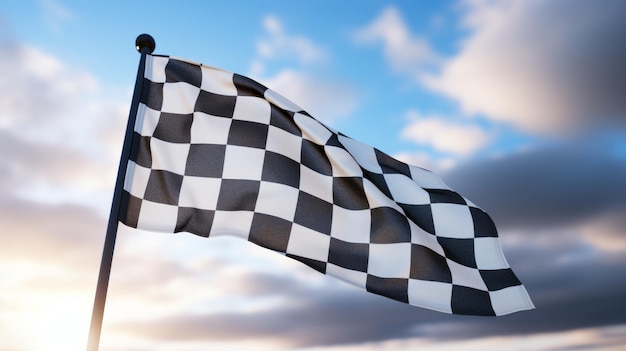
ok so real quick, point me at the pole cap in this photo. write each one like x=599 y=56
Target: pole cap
x=145 y=41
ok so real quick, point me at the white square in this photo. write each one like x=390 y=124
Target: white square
x=281 y=101
x=390 y=260
x=199 y=192
x=489 y=254
x=284 y=143
x=311 y=129
x=217 y=81
x=466 y=276
x=242 y=162
x=405 y=191
x=421 y=237
x=277 y=200
x=308 y=243
x=155 y=68
x=232 y=223
x=316 y=184
x=253 y=109
x=342 y=162
x=426 y=179
x=376 y=198
x=136 y=179
x=452 y=221
x=147 y=120
x=432 y=295
x=363 y=153
x=509 y=300
x=356 y=278
x=169 y=156
x=179 y=97
x=352 y=226
x=207 y=129
x=157 y=217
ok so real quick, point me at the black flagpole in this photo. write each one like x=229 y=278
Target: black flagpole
x=145 y=45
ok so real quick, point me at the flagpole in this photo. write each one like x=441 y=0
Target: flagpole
x=145 y=45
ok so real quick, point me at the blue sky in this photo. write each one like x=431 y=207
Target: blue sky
x=518 y=105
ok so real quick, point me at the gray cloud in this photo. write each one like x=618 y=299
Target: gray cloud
x=544 y=66
x=580 y=294
x=561 y=184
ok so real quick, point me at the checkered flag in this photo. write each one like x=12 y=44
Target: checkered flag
x=215 y=153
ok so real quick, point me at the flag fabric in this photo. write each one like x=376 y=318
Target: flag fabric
x=216 y=153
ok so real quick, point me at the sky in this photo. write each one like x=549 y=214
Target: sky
x=517 y=104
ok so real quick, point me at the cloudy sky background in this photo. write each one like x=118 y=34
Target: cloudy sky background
x=518 y=105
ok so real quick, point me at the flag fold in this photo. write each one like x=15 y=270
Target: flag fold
x=216 y=153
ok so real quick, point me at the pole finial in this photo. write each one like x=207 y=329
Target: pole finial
x=145 y=41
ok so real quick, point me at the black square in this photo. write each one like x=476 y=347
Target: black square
x=270 y=232
x=314 y=213
x=140 y=151
x=245 y=133
x=314 y=157
x=174 y=128
x=205 y=160
x=179 y=71
x=334 y=141
x=426 y=264
x=471 y=301
x=281 y=169
x=497 y=279
x=130 y=207
x=215 y=104
x=390 y=165
x=152 y=94
x=483 y=225
x=163 y=187
x=393 y=288
x=459 y=250
x=389 y=226
x=422 y=215
x=238 y=195
x=445 y=196
x=194 y=220
x=248 y=87
x=378 y=180
x=284 y=120
x=348 y=255
x=348 y=193
x=315 y=264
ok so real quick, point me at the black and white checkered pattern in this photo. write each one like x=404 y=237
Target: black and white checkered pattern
x=216 y=153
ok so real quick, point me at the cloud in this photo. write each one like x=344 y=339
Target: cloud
x=607 y=232
x=56 y=128
x=561 y=184
x=279 y=44
x=55 y=14
x=405 y=51
x=312 y=316
x=443 y=135
x=548 y=67
x=326 y=100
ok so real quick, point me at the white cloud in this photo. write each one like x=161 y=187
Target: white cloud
x=406 y=52
x=279 y=44
x=57 y=126
x=425 y=160
x=326 y=100
x=543 y=66
x=445 y=136
x=55 y=14
x=607 y=233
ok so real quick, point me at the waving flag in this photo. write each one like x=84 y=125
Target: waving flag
x=215 y=153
